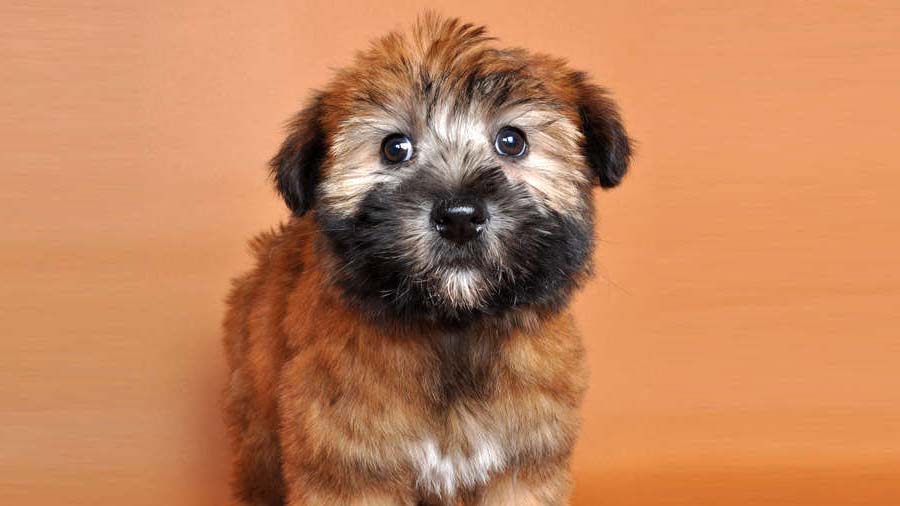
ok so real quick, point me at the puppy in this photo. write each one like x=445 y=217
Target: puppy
x=404 y=337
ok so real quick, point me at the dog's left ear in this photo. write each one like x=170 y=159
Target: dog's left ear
x=296 y=168
x=607 y=147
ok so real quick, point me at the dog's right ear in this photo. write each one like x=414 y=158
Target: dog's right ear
x=297 y=166
x=607 y=147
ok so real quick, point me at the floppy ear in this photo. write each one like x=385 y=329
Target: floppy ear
x=296 y=167
x=607 y=147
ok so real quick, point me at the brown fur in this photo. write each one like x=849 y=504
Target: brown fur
x=349 y=393
x=327 y=406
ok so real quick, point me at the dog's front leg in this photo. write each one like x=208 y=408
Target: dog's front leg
x=308 y=494
x=546 y=484
x=323 y=464
x=311 y=483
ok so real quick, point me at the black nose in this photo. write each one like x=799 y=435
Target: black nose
x=459 y=220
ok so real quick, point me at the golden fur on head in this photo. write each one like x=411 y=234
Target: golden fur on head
x=374 y=360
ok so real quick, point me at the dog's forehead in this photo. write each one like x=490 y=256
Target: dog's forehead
x=441 y=97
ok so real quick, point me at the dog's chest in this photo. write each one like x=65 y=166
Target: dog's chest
x=469 y=444
x=466 y=448
x=444 y=470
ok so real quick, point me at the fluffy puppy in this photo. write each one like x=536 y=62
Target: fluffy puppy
x=404 y=338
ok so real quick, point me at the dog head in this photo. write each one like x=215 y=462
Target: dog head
x=451 y=178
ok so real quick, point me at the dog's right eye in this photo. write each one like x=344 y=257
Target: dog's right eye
x=396 y=148
x=511 y=142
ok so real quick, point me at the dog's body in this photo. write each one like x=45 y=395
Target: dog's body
x=383 y=416
x=407 y=342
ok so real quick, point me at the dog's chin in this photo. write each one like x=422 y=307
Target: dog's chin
x=460 y=289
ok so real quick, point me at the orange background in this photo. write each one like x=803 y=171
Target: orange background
x=743 y=331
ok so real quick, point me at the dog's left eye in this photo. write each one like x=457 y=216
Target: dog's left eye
x=510 y=141
x=396 y=148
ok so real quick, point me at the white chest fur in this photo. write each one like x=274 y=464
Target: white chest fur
x=445 y=473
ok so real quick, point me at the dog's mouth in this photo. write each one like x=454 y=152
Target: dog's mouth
x=465 y=276
x=469 y=256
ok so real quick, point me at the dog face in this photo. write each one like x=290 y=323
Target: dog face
x=450 y=178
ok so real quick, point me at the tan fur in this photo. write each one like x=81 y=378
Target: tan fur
x=326 y=407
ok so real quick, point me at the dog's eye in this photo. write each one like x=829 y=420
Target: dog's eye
x=396 y=148
x=510 y=141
